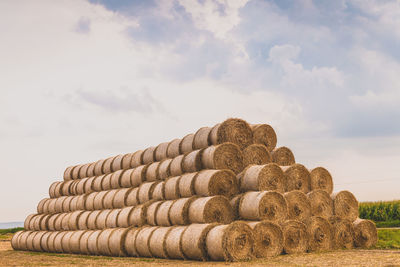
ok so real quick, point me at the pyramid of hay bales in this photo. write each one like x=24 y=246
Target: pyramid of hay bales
x=222 y=193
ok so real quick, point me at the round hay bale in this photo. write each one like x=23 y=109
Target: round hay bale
x=65 y=242
x=176 y=167
x=89 y=203
x=75 y=172
x=92 y=243
x=179 y=211
x=97 y=181
x=80 y=203
x=116 y=242
x=192 y=161
x=152 y=172
x=297 y=177
x=75 y=239
x=321 y=179
x=98 y=202
x=102 y=242
x=126 y=178
x=27 y=221
x=68 y=173
x=65 y=222
x=40 y=205
x=37 y=241
x=138 y=175
x=83 y=242
x=44 y=241
x=321 y=204
x=116 y=163
x=120 y=198
x=112 y=218
x=90 y=170
x=145 y=191
x=102 y=218
x=232 y=130
x=57 y=190
x=129 y=242
x=173 y=246
x=211 y=209
x=98 y=167
x=116 y=182
x=345 y=205
x=109 y=199
x=265 y=205
x=126 y=161
x=83 y=171
x=136 y=159
x=283 y=156
x=173 y=148
x=268 y=239
x=151 y=212
x=14 y=240
x=216 y=182
x=295 y=236
x=256 y=154
x=66 y=206
x=29 y=241
x=224 y=156
x=51 y=222
x=231 y=242
x=107 y=165
x=365 y=233
x=321 y=234
x=157 y=243
x=89 y=185
x=66 y=188
x=264 y=134
x=132 y=197
x=83 y=220
x=106 y=182
x=235 y=201
x=73 y=222
x=162 y=214
x=58 y=242
x=50 y=241
x=124 y=216
x=46 y=206
x=161 y=151
x=201 y=138
x=44 y=223
x=268 y=177
x=171 y=188
x=148 y=155
x=143 y=239
x=35 y=223
x=163 y=170
x=91 y=220
x=186 y=145
x=139 y=214
x=59 y=204
x=299 y=206
x=193 y=241
x=23 y=239
x=343 y=233
x=159 y=191
x=73 y=205
x=31 y=222
x=186 y=184
x=73 y=187
x=80 y=186
x=52 y=188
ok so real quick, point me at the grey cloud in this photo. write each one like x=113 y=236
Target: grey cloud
x=83 y=26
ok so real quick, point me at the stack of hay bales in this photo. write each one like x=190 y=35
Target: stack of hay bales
x=222 y=193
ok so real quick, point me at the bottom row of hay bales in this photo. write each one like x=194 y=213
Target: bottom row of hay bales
x=230 y=242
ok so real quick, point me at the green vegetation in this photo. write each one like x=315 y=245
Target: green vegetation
x=384 y=213
x=388 y=239
x=11 y=230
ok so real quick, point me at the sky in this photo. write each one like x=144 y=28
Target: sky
x=84 y=80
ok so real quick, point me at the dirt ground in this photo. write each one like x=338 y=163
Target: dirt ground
x=9 y=257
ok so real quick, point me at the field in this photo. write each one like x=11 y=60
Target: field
x=387 y=253
x=383 y=213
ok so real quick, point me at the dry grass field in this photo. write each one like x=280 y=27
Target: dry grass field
x=9 y=257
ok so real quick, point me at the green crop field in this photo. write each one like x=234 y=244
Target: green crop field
x=383 y=213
